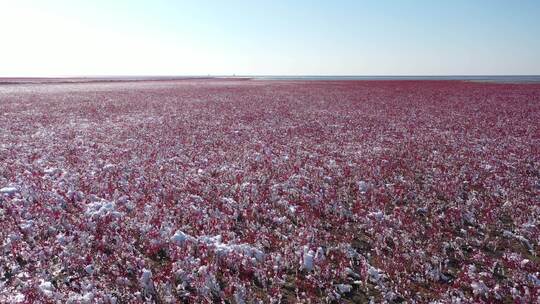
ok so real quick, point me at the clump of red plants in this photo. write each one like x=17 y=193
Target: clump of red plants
x=246 y=191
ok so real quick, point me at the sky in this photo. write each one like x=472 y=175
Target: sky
x=279 y=37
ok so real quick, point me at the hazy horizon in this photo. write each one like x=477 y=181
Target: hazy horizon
x=61 y=38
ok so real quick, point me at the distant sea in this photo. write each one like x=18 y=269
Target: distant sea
x=479 y=78
x=486 y=78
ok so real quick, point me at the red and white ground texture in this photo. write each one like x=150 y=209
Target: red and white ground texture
x=244 y=191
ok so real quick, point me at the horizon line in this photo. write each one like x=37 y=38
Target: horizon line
x=271 y=75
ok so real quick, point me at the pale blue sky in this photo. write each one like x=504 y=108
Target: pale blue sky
x=100 y=37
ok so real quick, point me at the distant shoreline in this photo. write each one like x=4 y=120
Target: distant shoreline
x=64 y=80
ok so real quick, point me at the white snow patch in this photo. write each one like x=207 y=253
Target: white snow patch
x=319 y=255
x=307 y=259
x=363 y=187
x=102 y=208
x=180 y=237
x=221 y=248
x=479 y=288
x=108 y=167
x=534 y=280
x=210 y=283
x=378 y=215
x=46 y=288
x=9 y=190
x=374 y=274
x=52 y=171
x=89 y=269
x=228 y=200
x=240 y=295
x=245 y=249
x=146 y=279
x=18 y=298
x=87 y=298
x=27 y=225
x=522 y=239
x=344 y=288
x=61 y=239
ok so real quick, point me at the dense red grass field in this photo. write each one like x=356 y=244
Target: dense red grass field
x=244 y=191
